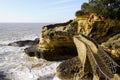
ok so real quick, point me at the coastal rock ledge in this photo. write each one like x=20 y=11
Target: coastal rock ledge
x=99 y=35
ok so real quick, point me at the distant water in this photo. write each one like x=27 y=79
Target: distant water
x=14 y=63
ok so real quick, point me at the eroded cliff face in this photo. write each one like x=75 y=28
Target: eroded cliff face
x=97 y=27
x=57 y=35
x=56 y=41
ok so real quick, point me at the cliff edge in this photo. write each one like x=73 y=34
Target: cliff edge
x=56 y=41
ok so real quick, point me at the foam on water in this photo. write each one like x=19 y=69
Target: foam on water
x=15 y=64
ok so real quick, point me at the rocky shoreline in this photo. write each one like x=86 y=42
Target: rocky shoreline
x=56 y=43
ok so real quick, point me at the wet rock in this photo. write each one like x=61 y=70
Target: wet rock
x=32 y=51
x=3 y=76
x=61 y=53
x=24 y=43
x=46 y=77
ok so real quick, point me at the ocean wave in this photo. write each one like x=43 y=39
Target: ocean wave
x=14 y=63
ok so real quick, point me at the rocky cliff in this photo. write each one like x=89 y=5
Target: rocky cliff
x=56 y=41
x=59 y=36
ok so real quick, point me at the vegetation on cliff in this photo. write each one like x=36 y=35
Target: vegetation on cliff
x=105 y=8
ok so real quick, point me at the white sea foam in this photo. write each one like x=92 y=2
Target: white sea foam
x=14 y=63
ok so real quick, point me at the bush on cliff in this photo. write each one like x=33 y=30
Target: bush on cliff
x=106 y=8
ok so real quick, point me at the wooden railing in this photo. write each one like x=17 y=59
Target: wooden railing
x=102 y=65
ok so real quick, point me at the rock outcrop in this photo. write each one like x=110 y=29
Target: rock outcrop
x=56 y=43
x=112 y=46
x=57 y=39
x=23 y=43
x=97 y=27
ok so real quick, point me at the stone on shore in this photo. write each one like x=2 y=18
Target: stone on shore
x=23 y=43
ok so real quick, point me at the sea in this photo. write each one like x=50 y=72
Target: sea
x=14 y=63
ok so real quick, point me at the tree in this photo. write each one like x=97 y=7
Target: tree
x=85 y=7
x=106 y=8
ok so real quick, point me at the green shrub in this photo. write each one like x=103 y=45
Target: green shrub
x=106 y=8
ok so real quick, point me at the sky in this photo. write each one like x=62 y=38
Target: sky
x=43 y=11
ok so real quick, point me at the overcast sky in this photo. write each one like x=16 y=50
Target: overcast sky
x=38 y=10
